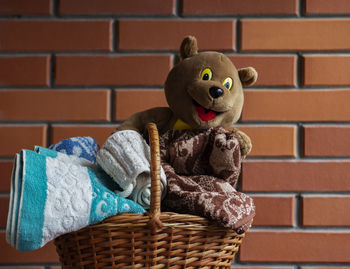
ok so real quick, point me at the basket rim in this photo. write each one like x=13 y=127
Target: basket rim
x=169 y=220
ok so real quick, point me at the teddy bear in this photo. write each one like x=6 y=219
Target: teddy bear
x=203 y=90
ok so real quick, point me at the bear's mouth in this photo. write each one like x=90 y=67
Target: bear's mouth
x=205 y=114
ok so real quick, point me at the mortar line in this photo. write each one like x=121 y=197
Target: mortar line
x=112 y=106
x=54 y=8
x=298 y=210
x=140 y=52
x=115 y=36
x=301 y=8
x=238 y=37
x=161 y=86
x=156 y=17
x=52 y=71
x=298 y=142
x=241 y=124
x=48 y=135
x=179 y=9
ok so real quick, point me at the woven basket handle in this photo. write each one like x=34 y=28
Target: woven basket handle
x=154 y=211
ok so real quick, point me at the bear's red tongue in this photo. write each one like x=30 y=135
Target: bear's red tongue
x=205 y=114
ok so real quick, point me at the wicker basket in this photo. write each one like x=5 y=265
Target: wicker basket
x=153 y=240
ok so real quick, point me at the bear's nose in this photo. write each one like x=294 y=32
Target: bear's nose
x=216 y=92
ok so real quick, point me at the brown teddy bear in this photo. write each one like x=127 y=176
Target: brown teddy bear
x=203 y=90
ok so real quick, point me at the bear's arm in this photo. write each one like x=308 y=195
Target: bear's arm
x=162 y=116
x=244 y=142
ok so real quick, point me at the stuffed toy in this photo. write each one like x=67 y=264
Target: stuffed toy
x=201 y=152
x=203 y=90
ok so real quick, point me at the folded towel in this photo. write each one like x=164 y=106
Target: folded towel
x=82 y=147
x=64 y=157
x=202 y=169
x=51 y=197
x=125 y=156
x=104 y=179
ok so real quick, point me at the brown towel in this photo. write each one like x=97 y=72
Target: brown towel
x=202 y=169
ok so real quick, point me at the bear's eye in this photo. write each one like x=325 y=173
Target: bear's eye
x=206 y=74
x=227 y=83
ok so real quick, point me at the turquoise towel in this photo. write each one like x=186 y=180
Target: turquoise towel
x=51 y=196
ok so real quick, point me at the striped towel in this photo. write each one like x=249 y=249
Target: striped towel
x=52 y=195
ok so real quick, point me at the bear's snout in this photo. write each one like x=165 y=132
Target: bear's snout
x=216 y=92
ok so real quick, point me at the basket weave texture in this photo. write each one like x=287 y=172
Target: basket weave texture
x=153 y=240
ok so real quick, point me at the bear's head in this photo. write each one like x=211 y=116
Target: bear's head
x=205 y=89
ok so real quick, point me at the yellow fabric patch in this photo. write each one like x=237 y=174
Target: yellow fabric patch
x=181 y=125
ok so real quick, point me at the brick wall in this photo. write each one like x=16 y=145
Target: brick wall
x=79 y=67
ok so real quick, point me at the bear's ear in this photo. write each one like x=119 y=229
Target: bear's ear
x=188 y=47
x=248 y=76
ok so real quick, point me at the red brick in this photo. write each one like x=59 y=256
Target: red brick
x=8 y=254
x=326 y=70
x=13 y=138
x=326 y=210
x=55 y=105
x=55 y=35
x=4 y=207
x=296 y=105
x=295 y=246
x=151 y=7
x=274 y=210
x=24 y=70
x=100 y=133
x=300 y=34
x=20 y=7
x=268 y=66
x=168 y=34
x=5 y=175
x=327 y=7
x=232 y=7
x=269 y=140
x=326 y=140
x=129 y=102
x=112 y=70
x=290 y=176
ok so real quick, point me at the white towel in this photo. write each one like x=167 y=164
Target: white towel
x=51 y=195
x=126 y=157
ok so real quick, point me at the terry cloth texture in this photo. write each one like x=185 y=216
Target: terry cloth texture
x=202 y=169
x=82 y=147
x=64 y=157
x=51 y=195
x=125 y=156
